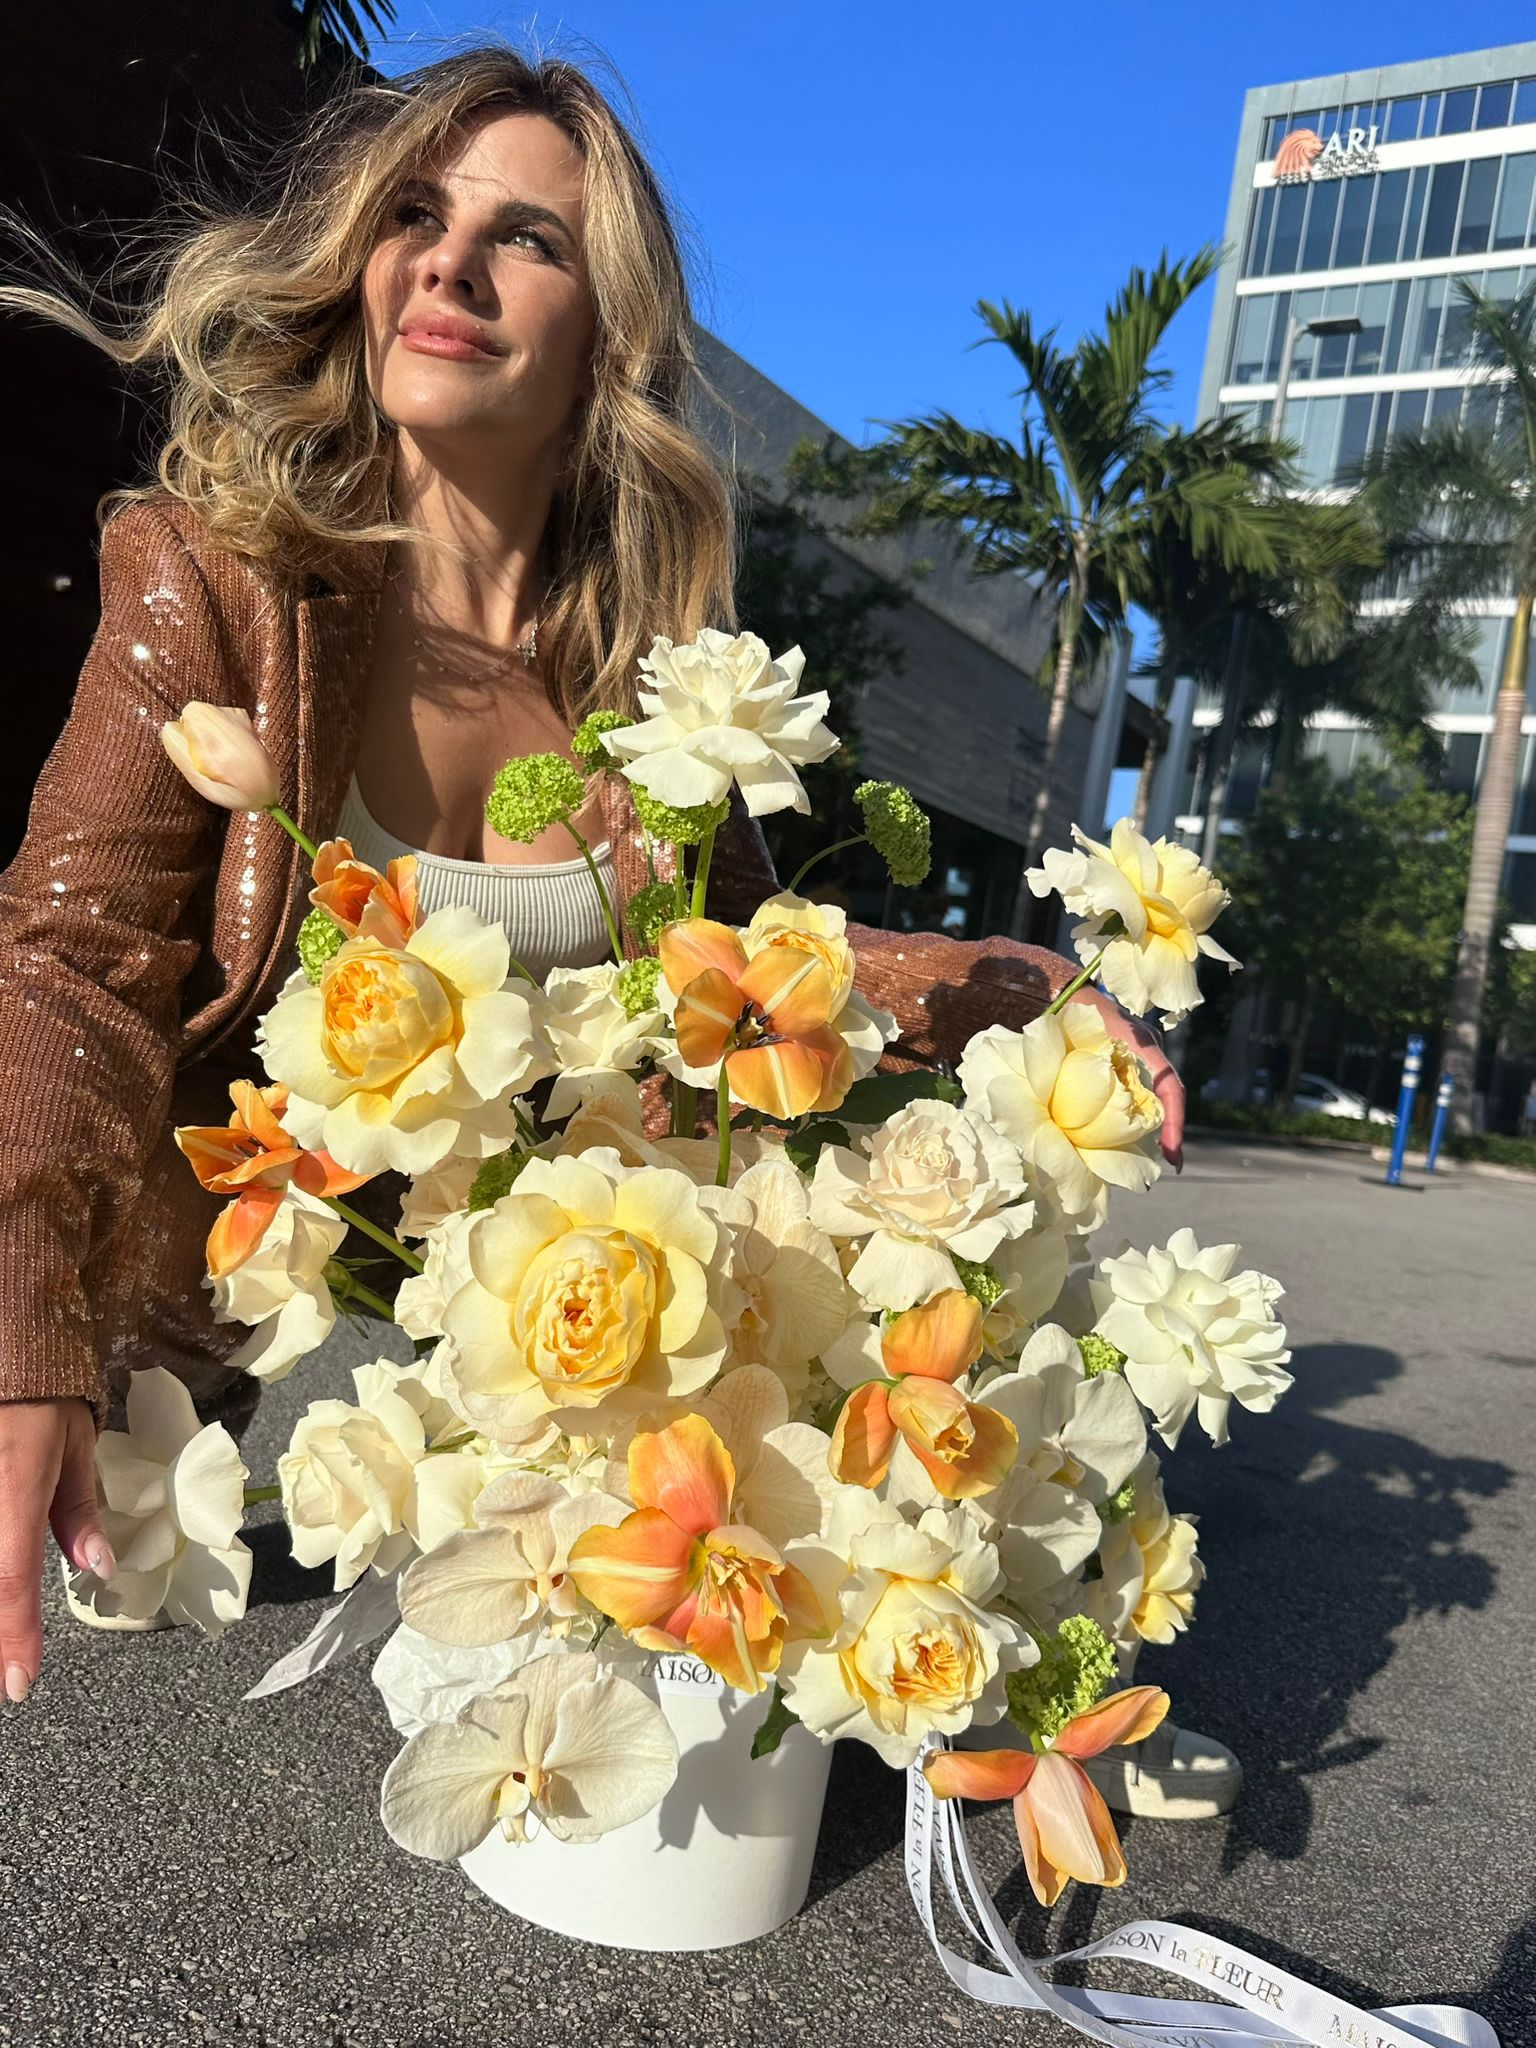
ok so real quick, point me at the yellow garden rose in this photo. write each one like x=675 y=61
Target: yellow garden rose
x=592 y=1297
x=402 y=1057
x=915 y=1652
x=1077 y=1103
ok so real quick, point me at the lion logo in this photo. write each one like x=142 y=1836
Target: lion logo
x=1298 y=152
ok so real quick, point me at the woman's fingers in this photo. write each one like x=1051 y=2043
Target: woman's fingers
x=1166 y=1085
x=32 y=1435
x=75 y=1514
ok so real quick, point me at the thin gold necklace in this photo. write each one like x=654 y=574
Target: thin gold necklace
x=527 y=649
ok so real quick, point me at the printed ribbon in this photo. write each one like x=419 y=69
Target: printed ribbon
x=1282 y=2011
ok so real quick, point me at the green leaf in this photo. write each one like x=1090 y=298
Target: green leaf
x=780 y=1716
x=879 y=1096
x=803 y=1148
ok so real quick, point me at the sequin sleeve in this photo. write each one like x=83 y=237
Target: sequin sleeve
x=98 y=930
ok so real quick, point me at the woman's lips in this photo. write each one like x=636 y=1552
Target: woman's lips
x=424 y=344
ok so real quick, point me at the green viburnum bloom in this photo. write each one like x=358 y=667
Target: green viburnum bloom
x=533 y=793
x=1099 y=1355
x=649 y=909
x=636 y=985
x=587 y=741
x=675 y=827
x=320 y=939
x=898 y=828
x=495 y=1178
x=979 y=1280
x=1119 y=1505
x=1076 y=1664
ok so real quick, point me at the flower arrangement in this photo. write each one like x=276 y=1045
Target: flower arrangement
x=817 y=1385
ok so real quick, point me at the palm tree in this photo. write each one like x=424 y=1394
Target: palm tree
x=1071 y=504
x=335 y=23
x=1463 y=497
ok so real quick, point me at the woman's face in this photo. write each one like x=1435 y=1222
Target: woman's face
x=476 y=304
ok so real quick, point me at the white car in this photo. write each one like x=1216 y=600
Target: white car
x=1320 y=1097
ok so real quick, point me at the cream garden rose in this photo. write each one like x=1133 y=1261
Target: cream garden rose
x=1147 y=907
x=722 y=709
x=595 y=1289
x=917 y=1651
x=590 y=1032
x=402 y=1057
x=933 y=1184
x=1077 y=1102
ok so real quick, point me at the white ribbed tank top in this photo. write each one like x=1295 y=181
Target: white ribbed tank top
x=549 y=910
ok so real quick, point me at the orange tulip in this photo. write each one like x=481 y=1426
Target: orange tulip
x=679 y=1575
x=966 y=1449
x=768 y=1018
x=254 y=1159
x=1064 y=1826
x=360 y=899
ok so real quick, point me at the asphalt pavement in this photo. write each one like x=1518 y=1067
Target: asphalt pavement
x=176 y=1867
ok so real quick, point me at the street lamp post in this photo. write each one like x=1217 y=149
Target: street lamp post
x=1345 y=323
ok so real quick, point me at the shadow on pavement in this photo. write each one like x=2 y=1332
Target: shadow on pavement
x=1326 y=1538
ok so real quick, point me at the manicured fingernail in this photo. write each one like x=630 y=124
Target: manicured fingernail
x=99 y=1558
x=17 y=1684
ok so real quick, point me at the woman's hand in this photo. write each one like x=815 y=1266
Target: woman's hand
x=1166 y=1085
x=47 y=1476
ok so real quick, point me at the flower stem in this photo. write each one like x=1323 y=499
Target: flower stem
x=839 y=846
x=701 y=872
x=255 y=1495
x=723 y=1125
x=454 y=1443
x=1078 y=981
x=685 y=1110
x=358 y=1290
x=602 y=893
x=302 y=839
x=390 y=1244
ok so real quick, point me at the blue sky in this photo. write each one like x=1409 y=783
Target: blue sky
x=856 y=175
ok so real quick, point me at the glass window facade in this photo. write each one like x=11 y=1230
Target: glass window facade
x=1451 y=209
x=1407 y=325
x=1509 y=102
x=1336 y=433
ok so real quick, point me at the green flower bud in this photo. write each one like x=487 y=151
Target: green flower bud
x=898 y=828
x=1076 y=1665
x=495 y=1178
x=587 y=741
x=636 y=985
x=675 y=827
x=1099 y=1355
x=320 y=939
x=1119 y=1505
x=533 y=793
x=979 y=1280
x=649 y=909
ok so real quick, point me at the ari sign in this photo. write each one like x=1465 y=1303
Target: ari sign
x=1304 y=156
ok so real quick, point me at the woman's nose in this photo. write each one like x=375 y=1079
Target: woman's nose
x=452 y=264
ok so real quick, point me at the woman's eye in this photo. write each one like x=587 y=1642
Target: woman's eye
x=408 y=213
x=533 y=236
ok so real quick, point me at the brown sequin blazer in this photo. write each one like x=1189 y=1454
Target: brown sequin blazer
x=143 y=931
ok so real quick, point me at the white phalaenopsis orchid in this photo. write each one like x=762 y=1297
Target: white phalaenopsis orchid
x=560 y=1743
x=173 y=1499
x=1196 y=1335
x=722 y=709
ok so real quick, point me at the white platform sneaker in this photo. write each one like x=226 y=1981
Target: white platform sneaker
x=1175 y=1774
x=122 y=1624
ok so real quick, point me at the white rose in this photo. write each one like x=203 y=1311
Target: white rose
x=280 y=1288
x=590 y=1032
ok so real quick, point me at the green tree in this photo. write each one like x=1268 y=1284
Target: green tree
x=1461 y=497
x=1349 y=893
x=1069 y=504
x=332 y=26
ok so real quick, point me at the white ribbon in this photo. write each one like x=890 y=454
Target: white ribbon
x=1281 y=2011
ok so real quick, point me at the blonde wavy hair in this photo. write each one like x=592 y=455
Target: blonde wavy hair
x=253 y=321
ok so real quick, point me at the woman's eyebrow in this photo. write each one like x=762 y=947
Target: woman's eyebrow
x=511 y=213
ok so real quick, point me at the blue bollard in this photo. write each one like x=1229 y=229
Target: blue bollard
x=1442 y=1110
x=1413 y=1060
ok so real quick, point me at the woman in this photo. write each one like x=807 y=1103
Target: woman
x=428 y=406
